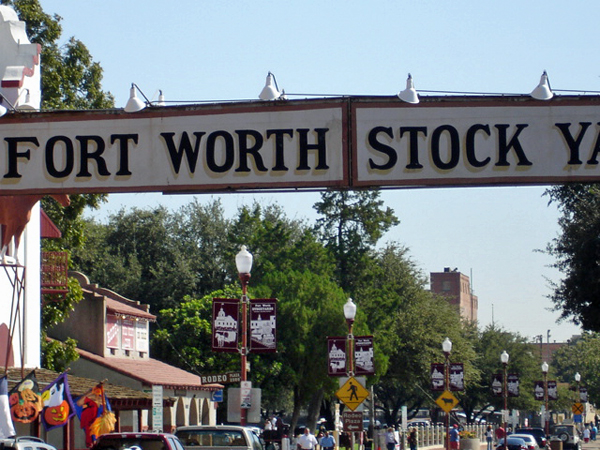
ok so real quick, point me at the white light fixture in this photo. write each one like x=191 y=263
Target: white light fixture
x=545 y=367
x=134 y=104
x=577 y=377
x=271 y=90
x=3 y=109
x=161 y=98
x=543 y=91
x=26 y=105
x=409 y=95
x=447 y=346
x=350 y=310
x=504 y=357
x=243 y=261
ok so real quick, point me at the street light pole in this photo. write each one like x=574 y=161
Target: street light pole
x=447 y=349
x=547 y=413
x=350 y=314
x=243 y=262
x=578 y=395
x=504 y=360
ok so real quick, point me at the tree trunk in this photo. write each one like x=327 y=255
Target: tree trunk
x=314 y=408
x=295 y=413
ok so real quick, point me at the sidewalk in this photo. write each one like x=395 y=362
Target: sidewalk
x=592 y=445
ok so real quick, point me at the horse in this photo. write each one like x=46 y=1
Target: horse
x=15 y=213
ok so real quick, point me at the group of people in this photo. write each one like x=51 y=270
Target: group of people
x=391 y=441
x=308 y=441
x=590 y=432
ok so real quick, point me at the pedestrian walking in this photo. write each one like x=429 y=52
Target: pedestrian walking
x=327 y=442
x=412 y=438
x=586 y=434
x=454 y=438
x=594 y=431
x=307 y=441
x=390 y=439
x=489 y=437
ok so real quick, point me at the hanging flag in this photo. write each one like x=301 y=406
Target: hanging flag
x=512 y=384
x=497 y=384
x=363 y=355
x=25 y=400
x=538 y=390
x=95 y=415
x=263 y=325
x=6 y=425
x=58 y=406
x=225 y=325
x=336 y=356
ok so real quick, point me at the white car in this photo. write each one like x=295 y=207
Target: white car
x=25 y=443
x=528 y=438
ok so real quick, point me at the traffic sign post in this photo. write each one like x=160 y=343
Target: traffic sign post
x=352 y=393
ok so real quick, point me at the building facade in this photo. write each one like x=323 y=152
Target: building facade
x=456 y=288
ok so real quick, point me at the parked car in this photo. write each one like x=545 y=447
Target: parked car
x=538 y=433
x=145 y=441
x=512 y=444
x=528 y=438
x=569 y=435
x=25 y=443
x=207 y=437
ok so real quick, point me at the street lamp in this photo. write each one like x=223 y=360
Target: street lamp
x=350 y=314
x=447 y=349
x=504 y=360
x=545 y=372
x=243 y=262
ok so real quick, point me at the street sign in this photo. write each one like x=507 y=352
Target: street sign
x=217 y=396
x=352 y=393
x=447 y=401
x=222 y=378
x=246 y=394
x=353 y=421
x=577 y=408
x=577 y=418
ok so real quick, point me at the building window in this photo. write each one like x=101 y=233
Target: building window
x=446 y=286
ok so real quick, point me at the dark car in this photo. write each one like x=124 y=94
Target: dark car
x=538 y=433
x=512 y=444
x=145 y=441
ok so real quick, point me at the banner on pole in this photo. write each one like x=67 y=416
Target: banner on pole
x=437 y=377
x=363 y=355
x=336 y=356
x=457 y=377
x=263 y=325
x=225 y=325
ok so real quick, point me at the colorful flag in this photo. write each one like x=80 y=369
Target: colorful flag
x=6 y=426
x=95 y=415
x=58 y=406
x=25 y=400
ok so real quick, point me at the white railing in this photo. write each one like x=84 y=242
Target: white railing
x=434 y=435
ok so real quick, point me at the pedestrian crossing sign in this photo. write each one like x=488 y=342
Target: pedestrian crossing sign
x=352 y=393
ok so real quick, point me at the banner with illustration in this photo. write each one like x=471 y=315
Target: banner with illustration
x=363 y=355
x=58 y=406
x=225 y=325
x=456 y=375
x=95 y=415
x=538 y=390
x=263 y=325
x=512 y=384
x=336 y=356
x=437 y=377
x=25 y=400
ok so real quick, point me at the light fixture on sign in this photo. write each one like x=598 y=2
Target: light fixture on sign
x=26 y=105
x=134 y=104
x=543 y=91
x=3 y=109
x=409 y=95
x=271 y=90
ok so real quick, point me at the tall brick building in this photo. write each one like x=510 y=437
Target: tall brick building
x=456 y=287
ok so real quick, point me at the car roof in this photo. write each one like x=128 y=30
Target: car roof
x=528 y=436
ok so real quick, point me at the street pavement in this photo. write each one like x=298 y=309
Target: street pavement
x=591 y=445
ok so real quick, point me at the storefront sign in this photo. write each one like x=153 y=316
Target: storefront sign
x=314 y=144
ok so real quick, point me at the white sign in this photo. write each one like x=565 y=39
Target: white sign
x=157 y=407
x=245 y=394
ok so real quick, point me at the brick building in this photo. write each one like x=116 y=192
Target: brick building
x=456 y=288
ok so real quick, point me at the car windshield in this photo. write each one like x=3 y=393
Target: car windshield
x=122 y=443
x=211 y=438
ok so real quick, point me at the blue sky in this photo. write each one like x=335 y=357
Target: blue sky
x=222 y=50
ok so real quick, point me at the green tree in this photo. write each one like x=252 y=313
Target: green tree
x=352 y=223
x=577 y=250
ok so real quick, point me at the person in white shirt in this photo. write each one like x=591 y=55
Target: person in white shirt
x=307 y=441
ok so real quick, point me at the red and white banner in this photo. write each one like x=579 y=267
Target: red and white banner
x=225 y=324
x=336 y=356
x=263 y=325
x=457 y=377
x=363 y=355
x=437 y=377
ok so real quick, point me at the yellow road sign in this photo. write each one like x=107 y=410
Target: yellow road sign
x=352 y=393
x=447 y=401
x=577 y=408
